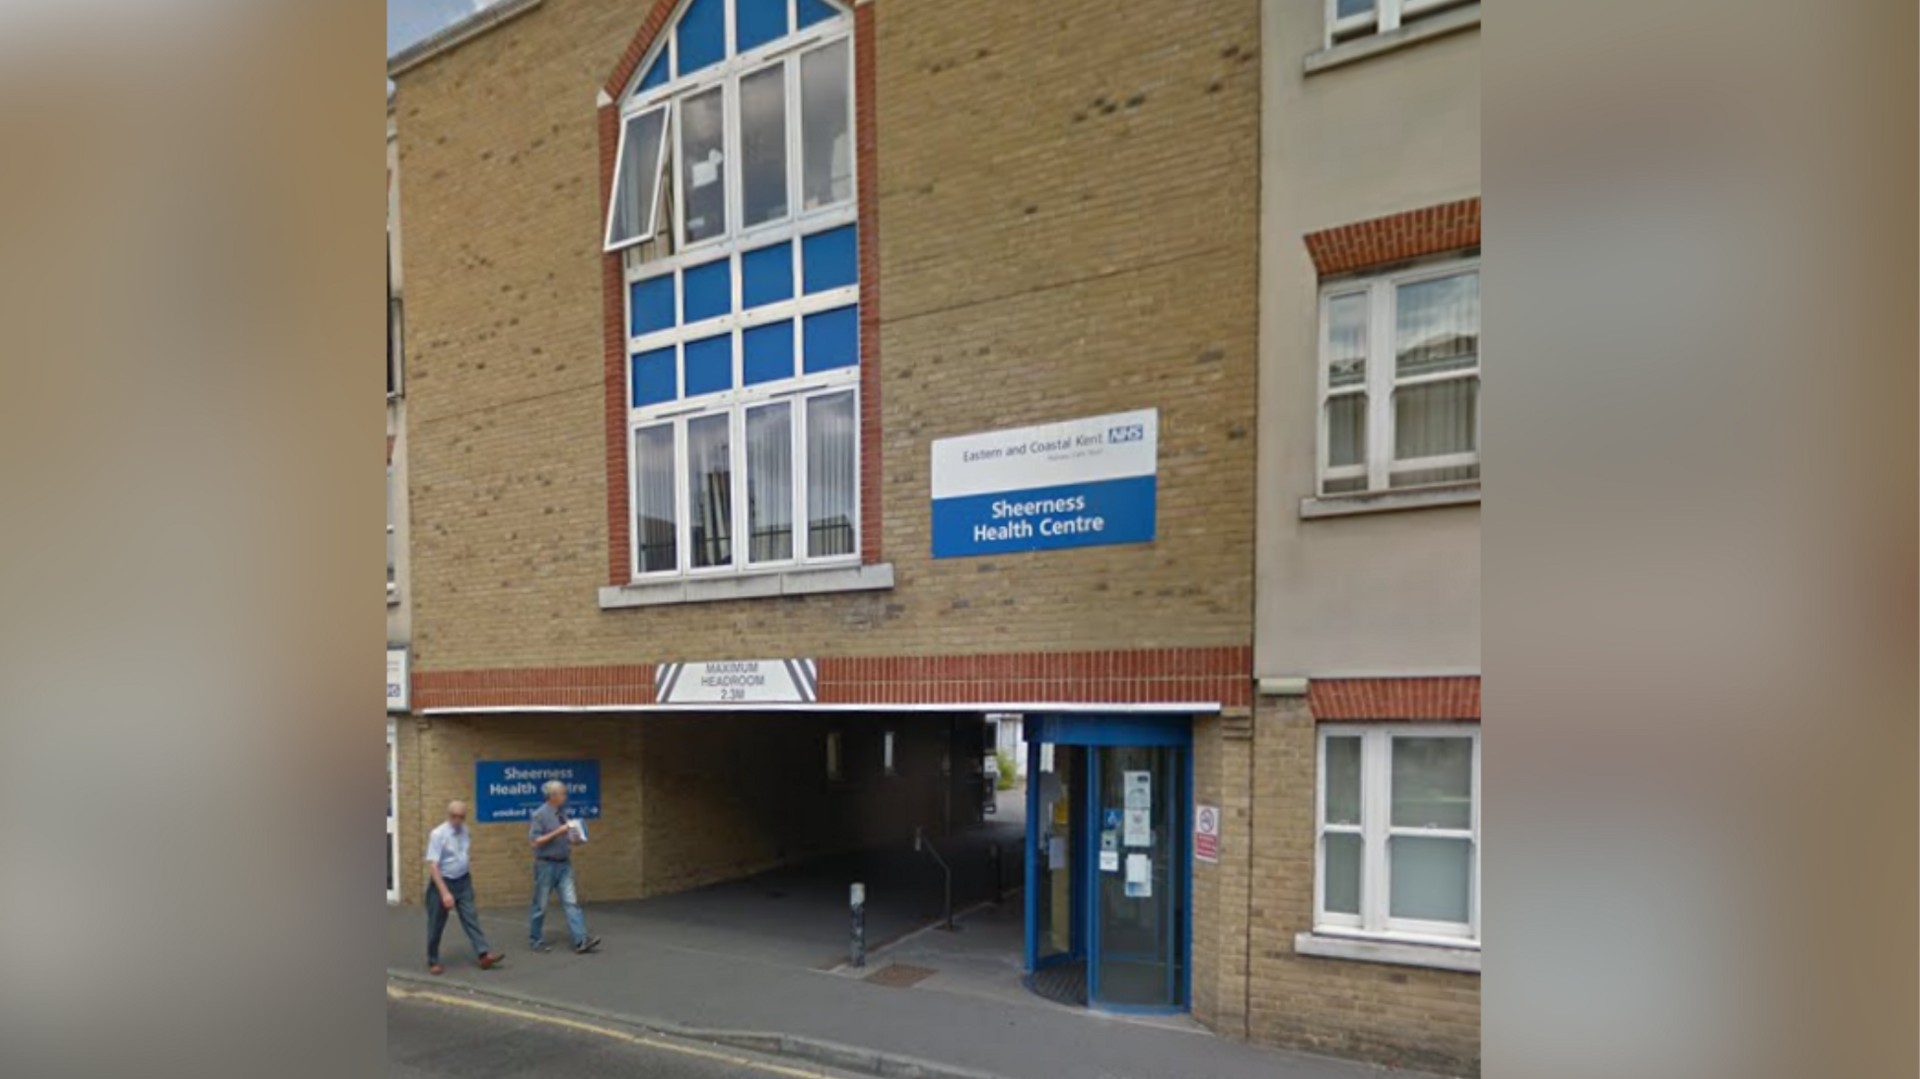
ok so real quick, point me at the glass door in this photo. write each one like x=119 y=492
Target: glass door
x=1056 y=819
x=1139 y=946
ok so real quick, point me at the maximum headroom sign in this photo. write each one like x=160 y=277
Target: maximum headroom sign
x=1078 y=483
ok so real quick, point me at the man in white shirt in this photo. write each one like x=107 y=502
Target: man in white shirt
x=450 y=888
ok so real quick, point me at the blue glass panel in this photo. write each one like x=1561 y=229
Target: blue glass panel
x=766 y=275
x=701 y=38
x=768 y=353
x=710 y=365
x=709 y=290
x=813 y=11
x=833 y=339
x=654 y=377
x=832 y=259
x=653 y=305
x=757 y=22
x=656 y=75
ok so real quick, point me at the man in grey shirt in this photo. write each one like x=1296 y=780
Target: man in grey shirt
x=553 y=839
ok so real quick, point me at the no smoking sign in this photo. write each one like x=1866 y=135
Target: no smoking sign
x=1206 y=833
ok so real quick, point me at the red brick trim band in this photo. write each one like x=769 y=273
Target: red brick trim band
x=614 y=301
x=1365 y=245
x=1453 y=699
x=638 y=48
x=1144 y=676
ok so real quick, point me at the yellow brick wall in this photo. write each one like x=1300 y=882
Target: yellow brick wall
x=1411 y=1017
x=437 y=765
x=1068 y=216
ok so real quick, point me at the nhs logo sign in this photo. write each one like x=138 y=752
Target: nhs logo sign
x=1077 y=483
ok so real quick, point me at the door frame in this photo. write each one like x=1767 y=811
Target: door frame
x=393 y=808
x=1089 y=732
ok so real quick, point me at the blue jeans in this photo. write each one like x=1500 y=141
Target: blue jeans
x=549 y=877
x=462 y=890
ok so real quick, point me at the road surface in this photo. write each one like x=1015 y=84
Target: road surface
x=432 y=1035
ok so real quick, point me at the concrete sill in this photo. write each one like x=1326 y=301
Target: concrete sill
x=799 y=582
x=1412 y=498
x=1413 y=33
x=1392 y=952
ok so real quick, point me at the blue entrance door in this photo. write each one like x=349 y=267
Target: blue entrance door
x=1109 y=884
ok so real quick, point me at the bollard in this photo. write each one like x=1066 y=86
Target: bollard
x=858 y=901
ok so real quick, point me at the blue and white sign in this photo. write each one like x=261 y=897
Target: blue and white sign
x=1080 y=483
x=507 y=791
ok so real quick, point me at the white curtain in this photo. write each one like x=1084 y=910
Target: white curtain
x=655 y=520
x=832 y=472
x=1437 y=339
x=770 y=483
x=710 y=489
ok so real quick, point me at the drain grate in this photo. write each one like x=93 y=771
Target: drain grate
x=900 y=976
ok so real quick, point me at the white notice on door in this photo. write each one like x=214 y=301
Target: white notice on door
x=1139 y=877
x=1109 y=861
x=1139 y=790
x=1139 y=830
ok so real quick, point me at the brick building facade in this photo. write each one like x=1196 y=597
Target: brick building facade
x=1054 y=212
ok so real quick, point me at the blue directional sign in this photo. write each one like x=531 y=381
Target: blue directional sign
x=506 y=791
x=1080 y=483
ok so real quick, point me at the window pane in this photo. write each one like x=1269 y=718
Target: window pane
x=1343 y=874
x=638 y=190
x=1436 y=418
x=1437 y=325
x=389 y=524
x=703 y=173
x=1347 y=430
x=1433 y=783
x=1350 y=8
x=1421 y=477
x=654 y=518
x=770 y=483
x=1343 y=781
x=710 y=493
x=826 y=144
x=1347 y=340
x=1432 y=878
x=831 y=475
x=763 y=144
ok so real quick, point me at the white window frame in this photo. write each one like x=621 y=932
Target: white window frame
x=1381 y=383
x=796 y=393
x=1376 y=829
x=1386 y=16
x=660 y=164
x=393 y=552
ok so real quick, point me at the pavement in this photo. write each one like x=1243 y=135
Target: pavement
x=760 y=965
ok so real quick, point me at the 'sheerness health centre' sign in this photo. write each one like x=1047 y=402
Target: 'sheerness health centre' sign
x=1081 y=483
x=505 y=791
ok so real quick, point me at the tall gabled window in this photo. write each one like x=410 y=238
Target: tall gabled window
x=734 y=214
